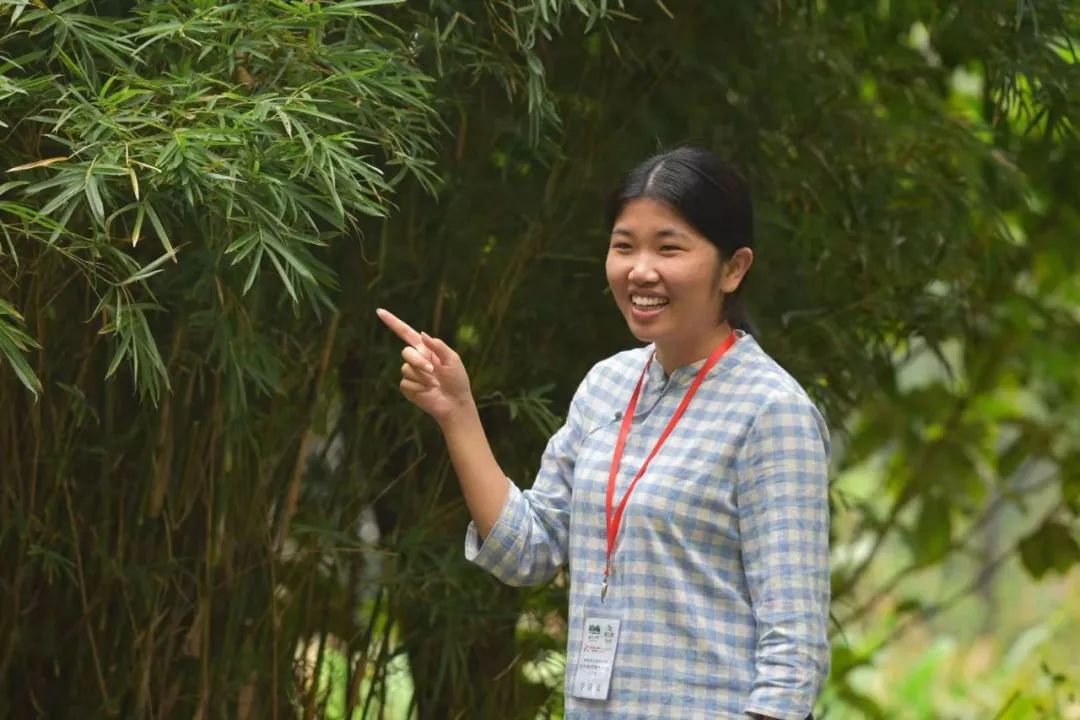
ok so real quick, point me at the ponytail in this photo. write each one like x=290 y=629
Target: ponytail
x=736 y=314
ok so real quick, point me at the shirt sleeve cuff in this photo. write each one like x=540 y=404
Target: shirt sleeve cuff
x=493 y=552
x=761 y=707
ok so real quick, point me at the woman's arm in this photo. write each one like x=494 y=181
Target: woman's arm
x=483 y=482
x=520 y=537
x=783 y=499
x=434 y=379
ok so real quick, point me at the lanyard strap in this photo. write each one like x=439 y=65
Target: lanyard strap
x=614 y=520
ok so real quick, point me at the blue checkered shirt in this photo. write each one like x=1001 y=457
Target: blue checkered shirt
x=720 y=576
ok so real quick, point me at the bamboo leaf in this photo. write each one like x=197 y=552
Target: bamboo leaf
x=284 y=121
x=61 y=223
x=93 y=198
x=160 y=229
x=282 y=249
x=5 y=187
x=68 y=193
x=13 y=343
x=20 y=6
x=140 y=214
x=121 y=352
x=38 y=163
x=253 y=272
x=284 y=275
x=150 y=269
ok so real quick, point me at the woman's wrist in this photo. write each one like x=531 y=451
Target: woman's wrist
x=462 y=412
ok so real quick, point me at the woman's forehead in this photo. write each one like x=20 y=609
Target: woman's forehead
x=645 y=216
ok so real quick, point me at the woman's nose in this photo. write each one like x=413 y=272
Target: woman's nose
x=643 y=271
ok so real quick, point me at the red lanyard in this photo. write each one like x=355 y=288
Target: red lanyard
x=614 y=521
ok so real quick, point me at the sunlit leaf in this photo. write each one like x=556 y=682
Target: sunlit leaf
x=38 y=163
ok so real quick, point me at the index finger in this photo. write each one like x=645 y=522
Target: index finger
x=400 y=327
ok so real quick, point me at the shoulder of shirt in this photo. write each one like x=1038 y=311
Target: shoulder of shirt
x=754 y=371
x=757 y=373
x=624 y=365
x=603 y=392
x=773 y=388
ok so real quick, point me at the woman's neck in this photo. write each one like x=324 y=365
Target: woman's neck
x=673 y=355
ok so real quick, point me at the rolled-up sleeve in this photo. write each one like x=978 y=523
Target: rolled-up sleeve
x=528 y=542
x=783 y=506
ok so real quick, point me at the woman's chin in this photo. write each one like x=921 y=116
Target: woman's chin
x=646 y=326
x=644 y=333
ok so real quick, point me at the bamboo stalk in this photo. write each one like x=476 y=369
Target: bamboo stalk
x=293 y=494
x=109 y=710
x=163 y=450
x=359 y=668
x=208 y=557
x=275 y=631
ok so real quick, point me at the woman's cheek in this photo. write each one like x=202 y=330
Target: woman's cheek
x=616 y=275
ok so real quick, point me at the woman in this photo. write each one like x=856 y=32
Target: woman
x=688 y=488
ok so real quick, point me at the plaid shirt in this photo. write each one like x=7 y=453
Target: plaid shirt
x=720 y=576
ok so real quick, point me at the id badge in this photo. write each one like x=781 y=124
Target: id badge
x=599 y=640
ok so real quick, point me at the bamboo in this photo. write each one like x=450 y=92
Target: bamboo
x=293 y=495
x=146 y=505
x=109 y=710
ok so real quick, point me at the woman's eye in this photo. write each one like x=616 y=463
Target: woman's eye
x=669 y=248
x=620 y=245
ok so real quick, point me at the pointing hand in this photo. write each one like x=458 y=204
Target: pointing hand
x=432 y=377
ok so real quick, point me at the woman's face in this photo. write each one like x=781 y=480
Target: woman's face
x=667 y=279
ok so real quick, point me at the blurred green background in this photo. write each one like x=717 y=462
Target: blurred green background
x=215 y=503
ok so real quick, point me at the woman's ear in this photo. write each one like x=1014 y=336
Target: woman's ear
x=735 y=269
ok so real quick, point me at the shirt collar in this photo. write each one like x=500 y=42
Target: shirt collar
x=685 y=374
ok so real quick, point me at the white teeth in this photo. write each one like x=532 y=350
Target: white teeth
x=646 y=301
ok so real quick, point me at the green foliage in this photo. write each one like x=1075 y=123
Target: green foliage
x=204 y=202
x=248 y=134
x=1052 y=546
x=14 y=342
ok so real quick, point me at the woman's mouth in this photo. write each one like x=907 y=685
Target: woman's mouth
x=646 y=306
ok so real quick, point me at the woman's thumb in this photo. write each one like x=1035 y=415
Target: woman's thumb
x=437 y=346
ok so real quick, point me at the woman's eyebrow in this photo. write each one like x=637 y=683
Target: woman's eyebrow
x=662 y=234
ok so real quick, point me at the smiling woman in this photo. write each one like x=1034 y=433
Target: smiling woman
x=687 y=489
x=670 y=281
x=684 y=218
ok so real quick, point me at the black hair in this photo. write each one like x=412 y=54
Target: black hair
x=709 y=195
